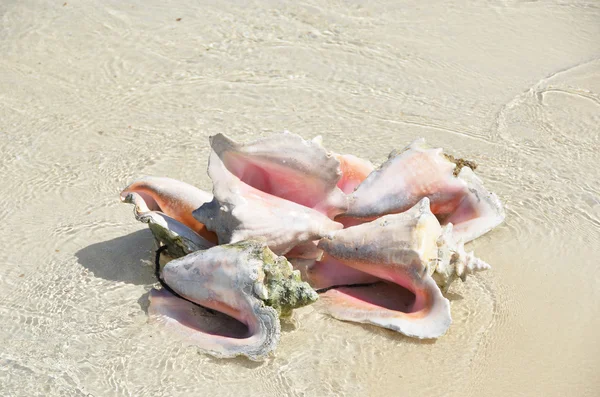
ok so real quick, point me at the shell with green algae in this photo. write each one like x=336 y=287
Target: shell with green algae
x=179 y=239
x=243 y=282
x=286 y=290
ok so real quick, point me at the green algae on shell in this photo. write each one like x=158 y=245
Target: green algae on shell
x=285 y=287
x=282 y=287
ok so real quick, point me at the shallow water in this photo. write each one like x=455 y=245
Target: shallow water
x=96 y=93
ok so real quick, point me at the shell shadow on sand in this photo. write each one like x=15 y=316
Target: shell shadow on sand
x=128 y=259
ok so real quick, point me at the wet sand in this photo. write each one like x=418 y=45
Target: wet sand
x=94 y=94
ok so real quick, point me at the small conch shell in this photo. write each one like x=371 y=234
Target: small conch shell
x=174 y=198
x=244 y=281
x=421 y=171
x=179 y=239
x=286 y=166
x=240 y=212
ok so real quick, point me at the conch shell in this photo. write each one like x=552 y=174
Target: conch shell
x=478 y=212
x=174 y=198
x=179 y=239
x=401 y=250
x=240 y=212
x=286 y=166
x=244 y=281
x=421 y=171
x=354 y=171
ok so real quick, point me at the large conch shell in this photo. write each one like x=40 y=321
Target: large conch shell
x=286 y=166
x=401 y=250
x=244 y=281
x=421 y=171
x=174 y=198
x=179 y=239
x=240 y=212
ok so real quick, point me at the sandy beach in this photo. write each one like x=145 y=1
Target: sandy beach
x=94 y=94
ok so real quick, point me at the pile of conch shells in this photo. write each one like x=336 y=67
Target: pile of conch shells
x=289 y=222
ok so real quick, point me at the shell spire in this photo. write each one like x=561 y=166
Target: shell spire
x=453 y=261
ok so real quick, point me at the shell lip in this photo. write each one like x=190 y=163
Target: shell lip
x=405 y=281
x=137 y=189
x=381 y=296
x=422 y=314
x=242 y=329
x=406 y=300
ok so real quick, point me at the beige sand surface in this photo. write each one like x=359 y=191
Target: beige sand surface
x=96 y=93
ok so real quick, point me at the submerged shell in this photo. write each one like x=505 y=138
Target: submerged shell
x=199 y=326
x=179 y=239
x=286 y=166
x=244 y=281
x=239 y=212
x=429 y=320
x=420 y=171
x=174 y=198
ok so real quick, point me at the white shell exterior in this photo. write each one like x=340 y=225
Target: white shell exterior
x=398 y=249
x=286 y=166
x=240 y=212
x=225 y=278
